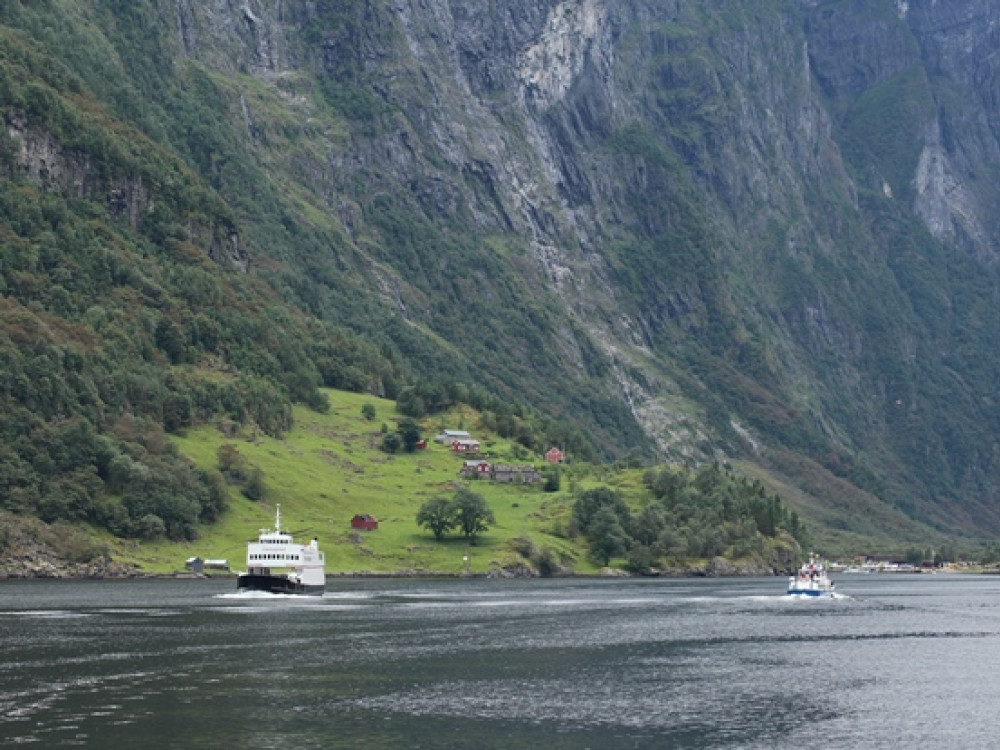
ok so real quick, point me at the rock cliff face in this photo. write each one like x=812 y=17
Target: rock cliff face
x=746 y=222
x=951 y=44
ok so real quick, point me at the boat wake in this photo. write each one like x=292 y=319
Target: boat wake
x=809 y=597
x=254 y=594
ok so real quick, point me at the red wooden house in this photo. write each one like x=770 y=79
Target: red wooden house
x=364 y=521
x=554 y=456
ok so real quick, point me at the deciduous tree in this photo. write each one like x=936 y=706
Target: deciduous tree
x=437 y=515
x=473 y=515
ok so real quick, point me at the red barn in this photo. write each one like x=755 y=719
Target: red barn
x=554 y=456
x=364 y=521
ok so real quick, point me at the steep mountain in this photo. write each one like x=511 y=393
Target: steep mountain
x=684 y=231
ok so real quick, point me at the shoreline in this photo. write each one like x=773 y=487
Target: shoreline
x=408 y=575
x=126 y=572
x=121 y=572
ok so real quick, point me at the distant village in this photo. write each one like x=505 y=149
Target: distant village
x=478 y=468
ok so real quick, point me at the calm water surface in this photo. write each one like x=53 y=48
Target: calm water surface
x=896 y=661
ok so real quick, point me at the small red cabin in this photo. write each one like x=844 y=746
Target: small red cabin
x=364 y=521
x=554 y=456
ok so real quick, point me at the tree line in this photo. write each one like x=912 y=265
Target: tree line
x=692 y=514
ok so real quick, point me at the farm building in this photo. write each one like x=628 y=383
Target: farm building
x=554 y=456
x=448 y=436
x=515 y=473
x=465 y=446
x=475 y=467
x=364 y=521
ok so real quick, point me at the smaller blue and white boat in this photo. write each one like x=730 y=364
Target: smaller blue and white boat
x=811 y=580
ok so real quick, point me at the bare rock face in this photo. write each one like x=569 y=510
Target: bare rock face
x=854 y=54
x=521 y=103
x=41 y=159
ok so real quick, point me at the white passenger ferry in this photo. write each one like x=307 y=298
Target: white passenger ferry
x=276 y=563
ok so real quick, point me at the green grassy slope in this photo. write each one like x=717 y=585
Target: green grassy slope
x=329 y=467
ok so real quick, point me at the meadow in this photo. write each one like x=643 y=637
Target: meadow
x=330 y=467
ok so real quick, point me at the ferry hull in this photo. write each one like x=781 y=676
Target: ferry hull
x=276 y=584
x=809 y=592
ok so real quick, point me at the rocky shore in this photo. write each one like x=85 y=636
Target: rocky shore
x=32 y=549
x=26 y=567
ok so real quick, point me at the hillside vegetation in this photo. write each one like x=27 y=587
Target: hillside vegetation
x=331 y=466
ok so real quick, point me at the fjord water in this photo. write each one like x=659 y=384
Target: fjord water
x=894 y=661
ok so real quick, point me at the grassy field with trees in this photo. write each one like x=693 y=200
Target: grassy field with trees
x=578 y=518
x=331 y=466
